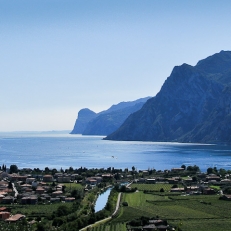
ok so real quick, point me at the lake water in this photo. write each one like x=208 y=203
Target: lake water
x=63 y=150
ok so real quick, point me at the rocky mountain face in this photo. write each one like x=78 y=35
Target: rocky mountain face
x=105 y=122
x=193 y=105
x=84 y=116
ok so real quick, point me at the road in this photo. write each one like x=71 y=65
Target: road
x=108 y=218
x=15 y=190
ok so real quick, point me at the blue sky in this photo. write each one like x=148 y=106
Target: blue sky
x=58 y=56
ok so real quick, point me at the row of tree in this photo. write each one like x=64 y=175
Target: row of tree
x=13 y=168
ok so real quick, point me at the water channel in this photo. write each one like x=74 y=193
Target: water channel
x=102 y=200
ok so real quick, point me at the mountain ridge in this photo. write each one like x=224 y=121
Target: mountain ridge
x=185 y=109
x=107 y=121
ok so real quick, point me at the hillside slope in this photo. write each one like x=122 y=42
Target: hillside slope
x=193 y=105
x=105 y=122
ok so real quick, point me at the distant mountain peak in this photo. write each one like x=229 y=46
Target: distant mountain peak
x=217 y=63
x=84 y=116
x=105 y=122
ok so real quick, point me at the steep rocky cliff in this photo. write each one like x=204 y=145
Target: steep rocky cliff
x=193 y=105
x=84 y=116
x=107 y=121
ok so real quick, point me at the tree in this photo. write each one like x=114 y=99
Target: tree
x=125 y=203
x=10 y=186
x=58 y=221
x=3 y=167
x=222 y=171
x=63 y=188
x=194 y=178
x=92 y=219
x=41 y=227
x=24 y=221
x=209 y=170
x=54 y=170
x=13 y=168
x=74 y=193
x=116 y=187
x=194 y=168
x=123 y=188
x=183 y=166
x=215 y=170
x=47 y=170
x=227 y=190
x=175 y=186
x=62 y=210
x=117 y=176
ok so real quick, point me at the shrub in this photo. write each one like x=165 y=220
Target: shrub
x=58 y=221
x=125 y=203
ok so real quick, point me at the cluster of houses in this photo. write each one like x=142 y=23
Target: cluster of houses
x=188 y=184
x=31 y=189
x=95 y=180
x=27 y=189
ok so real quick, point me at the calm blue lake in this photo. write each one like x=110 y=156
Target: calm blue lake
x=63 y=150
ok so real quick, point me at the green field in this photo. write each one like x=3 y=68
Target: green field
x=71 y=186
x=194 y=212
x=154 y=187
x=109 y=227
x=37 y=210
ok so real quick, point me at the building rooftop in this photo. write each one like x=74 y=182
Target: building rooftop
x=15 y=217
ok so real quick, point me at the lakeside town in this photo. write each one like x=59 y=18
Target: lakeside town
x=52 y=199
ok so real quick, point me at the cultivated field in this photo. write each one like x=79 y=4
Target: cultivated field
x=42 y=210
x=154 y=187
x=202 y=212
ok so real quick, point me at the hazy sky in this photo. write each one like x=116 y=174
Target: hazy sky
x=58 y=56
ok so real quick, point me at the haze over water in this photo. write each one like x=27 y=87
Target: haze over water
x=53 y=150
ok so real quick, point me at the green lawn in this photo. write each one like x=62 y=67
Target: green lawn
x=216 y=187
x=71 y=186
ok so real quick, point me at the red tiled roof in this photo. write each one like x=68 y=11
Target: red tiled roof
x=15 y=217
